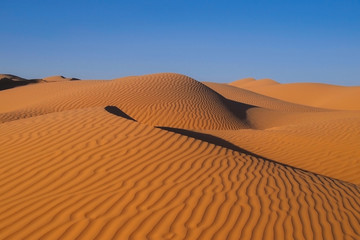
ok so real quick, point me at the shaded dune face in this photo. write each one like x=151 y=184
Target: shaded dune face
x=163 y=156
x=8 y=81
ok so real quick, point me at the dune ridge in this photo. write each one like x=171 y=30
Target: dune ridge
x=164 y=156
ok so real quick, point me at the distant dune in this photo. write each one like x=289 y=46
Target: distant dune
x=58 y=79
x=163 y=156
x=253 y=83
x=11 y=81
x=311 y=94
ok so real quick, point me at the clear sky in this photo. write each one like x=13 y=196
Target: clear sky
x=221 y=41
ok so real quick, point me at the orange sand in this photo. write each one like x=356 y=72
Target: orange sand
x=164 y=156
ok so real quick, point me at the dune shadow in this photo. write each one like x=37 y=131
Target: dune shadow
x=207 y=138
x=6 y=83
x=211 y=138
x=116 y=111
x=223 y=143
x=238 y=108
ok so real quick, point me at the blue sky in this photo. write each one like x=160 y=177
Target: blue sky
x=221 y=41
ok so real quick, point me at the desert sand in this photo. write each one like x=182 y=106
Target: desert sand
x=164 y=156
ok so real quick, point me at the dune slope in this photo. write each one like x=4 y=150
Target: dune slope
x=95 y=175
x=329 y=146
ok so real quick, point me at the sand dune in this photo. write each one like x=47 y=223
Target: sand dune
x=311 y=94
x=8 y=81
x=159 y=99
x=257 y=100
x=164 y=156
x=11 y=81
x=318 y=140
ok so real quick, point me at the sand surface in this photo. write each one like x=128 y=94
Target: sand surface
x=164 y=156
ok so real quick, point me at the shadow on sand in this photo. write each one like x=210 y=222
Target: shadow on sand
x=116 y=111
x=211 y=138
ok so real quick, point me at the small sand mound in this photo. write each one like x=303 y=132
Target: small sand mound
x=242 y=81
x=58 y=79
x=251 y=82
